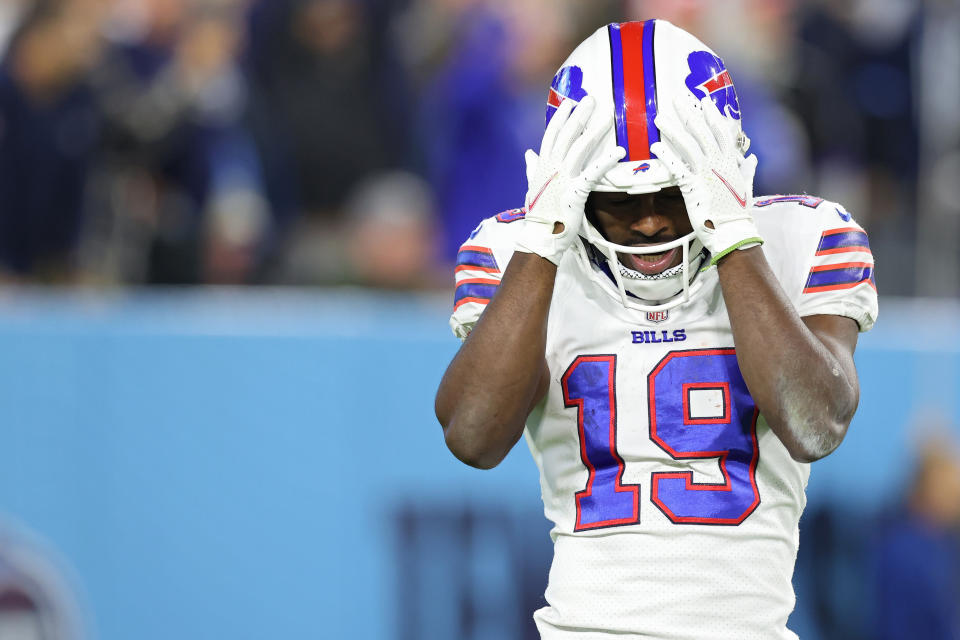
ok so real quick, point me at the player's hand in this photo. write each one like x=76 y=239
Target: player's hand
x=714 y=177
x=557 y=181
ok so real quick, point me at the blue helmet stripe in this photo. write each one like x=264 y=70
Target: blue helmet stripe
x=619 y=104
x=650 y=77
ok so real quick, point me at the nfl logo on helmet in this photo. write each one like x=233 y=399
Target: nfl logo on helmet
x=709 y=76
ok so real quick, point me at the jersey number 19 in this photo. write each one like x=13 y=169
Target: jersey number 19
x=699 y=407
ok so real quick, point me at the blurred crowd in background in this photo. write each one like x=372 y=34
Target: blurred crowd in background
x=360 y=141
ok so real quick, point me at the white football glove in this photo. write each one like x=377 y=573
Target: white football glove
x=557 y=182
x=714 y=177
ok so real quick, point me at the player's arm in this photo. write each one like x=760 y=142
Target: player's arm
x=800 y=372
x=500 y=373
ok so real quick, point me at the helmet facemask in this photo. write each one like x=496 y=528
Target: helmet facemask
x=645 y=292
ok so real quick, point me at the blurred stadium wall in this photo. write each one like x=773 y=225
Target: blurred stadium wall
x=225 y=463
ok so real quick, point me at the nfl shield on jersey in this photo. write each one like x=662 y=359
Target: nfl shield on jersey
x=674 y=505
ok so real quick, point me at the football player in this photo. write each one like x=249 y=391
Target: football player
x=675 y=351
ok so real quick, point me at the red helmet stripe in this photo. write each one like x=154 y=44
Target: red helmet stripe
x=634 y=90
x=634 y=87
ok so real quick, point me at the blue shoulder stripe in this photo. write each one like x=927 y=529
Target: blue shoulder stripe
x=843 y=240
x=838 y=276
x=477 y=257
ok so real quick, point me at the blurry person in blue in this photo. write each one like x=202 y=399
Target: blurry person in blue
x=917 y=555
x=675 y=350
x=49 y=130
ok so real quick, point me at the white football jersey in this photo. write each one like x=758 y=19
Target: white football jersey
x=675 y=507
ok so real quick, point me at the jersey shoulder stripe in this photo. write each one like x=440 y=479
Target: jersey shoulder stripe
x=480 y=265
x=843 y=240
x=821 y=256
x=845 y=275
x=476 y=257
x=475 y=290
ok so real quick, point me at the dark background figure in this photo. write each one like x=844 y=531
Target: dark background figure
x=917 y=554
x=856 y=75
x=483 y=109
x=333 y=95
x=48 y=136
x=181 y=189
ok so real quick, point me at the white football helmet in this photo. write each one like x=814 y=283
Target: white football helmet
x=634 y=70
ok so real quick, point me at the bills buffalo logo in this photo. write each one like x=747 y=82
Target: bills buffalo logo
x=567 y=84
x=641 y=168
x=709 y=76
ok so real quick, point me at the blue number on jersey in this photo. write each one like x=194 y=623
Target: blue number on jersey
x=590 y=385
x=699 y=408
x=722 y=425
